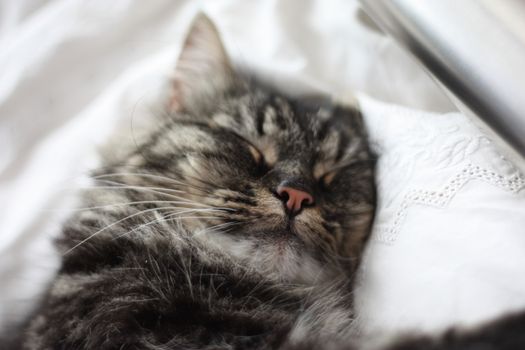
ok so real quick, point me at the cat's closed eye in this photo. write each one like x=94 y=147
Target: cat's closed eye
x=256 y=154
x=262 y=166
x=326 y=179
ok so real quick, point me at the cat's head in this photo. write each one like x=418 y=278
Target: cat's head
x=283 y=184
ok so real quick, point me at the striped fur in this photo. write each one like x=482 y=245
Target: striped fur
x=182 y=242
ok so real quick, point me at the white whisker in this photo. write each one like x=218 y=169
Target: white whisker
x=178 y=182
x=157 y=190
x=122 y=184
x=138 y=188
x=166 y=218
x=138 y=174
x=113 y=224
x=146 y=202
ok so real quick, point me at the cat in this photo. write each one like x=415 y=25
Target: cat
x=237 y=221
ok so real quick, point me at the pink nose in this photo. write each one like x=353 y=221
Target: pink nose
x=295 y=199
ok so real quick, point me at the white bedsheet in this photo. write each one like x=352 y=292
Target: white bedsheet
x=70 y=70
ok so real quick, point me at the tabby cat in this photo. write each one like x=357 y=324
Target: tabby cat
x=236 y=222
x=216 y=229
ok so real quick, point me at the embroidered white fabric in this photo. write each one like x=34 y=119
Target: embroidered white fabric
x=449 y=237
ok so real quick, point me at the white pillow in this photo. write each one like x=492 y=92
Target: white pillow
x=448 y=244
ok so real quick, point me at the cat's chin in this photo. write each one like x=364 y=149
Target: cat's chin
x=280 y=257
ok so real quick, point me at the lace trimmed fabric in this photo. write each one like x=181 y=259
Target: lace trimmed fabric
x=448 y=241
x=441 y=197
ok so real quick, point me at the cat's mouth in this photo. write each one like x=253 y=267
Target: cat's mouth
x=291 y=226
x=271 y=227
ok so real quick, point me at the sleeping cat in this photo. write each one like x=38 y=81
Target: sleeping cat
x=236 y=222
x=217 y=228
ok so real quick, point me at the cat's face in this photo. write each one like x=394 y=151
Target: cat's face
x=285 y=185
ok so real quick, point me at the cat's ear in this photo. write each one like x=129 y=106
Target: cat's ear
x=203 y=68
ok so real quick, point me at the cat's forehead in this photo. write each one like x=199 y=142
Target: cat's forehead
x=310 y=128
x=271 y=114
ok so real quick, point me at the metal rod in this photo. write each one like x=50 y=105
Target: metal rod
x=476 y=48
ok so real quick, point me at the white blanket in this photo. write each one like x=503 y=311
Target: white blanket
x=71 y=70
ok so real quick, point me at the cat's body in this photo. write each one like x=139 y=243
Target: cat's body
x=171 y=292
x=235 y=222
x=188 y=265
